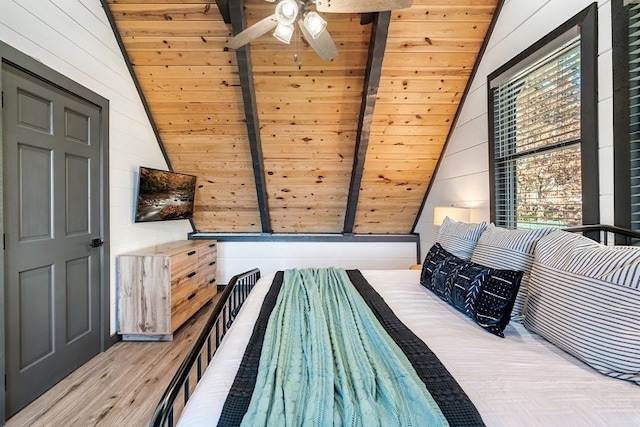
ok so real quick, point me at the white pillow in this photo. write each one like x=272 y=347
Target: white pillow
x=506 y=249
x=459 y=238
x=585 y=299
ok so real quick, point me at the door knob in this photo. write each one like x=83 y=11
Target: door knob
x=96 y=243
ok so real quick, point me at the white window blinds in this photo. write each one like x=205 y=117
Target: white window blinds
x=536 y=125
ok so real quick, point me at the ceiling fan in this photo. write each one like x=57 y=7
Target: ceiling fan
x=312 y=25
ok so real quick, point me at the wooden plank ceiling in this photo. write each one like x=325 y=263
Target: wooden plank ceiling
x=310 y=115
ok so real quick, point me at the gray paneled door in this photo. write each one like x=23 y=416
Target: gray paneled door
x=52 y=214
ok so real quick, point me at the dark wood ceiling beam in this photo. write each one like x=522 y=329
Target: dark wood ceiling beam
x=377 y=46
x=223 y=6
x=367 y=18
x=243 y=55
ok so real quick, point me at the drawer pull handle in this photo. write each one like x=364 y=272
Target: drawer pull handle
x=191 y=253
x=213 y=245
x=192 y=296
x=212 y=263
x=193 y=273
x=212 y=281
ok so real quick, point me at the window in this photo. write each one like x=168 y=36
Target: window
x=543 y=132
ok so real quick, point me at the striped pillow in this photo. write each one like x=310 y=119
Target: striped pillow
x=459 y=238
x=510 y=250
x=585 y=298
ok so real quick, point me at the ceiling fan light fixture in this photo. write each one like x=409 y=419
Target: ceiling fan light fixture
x=314 y=24
x=284 y=33
x=287 y=11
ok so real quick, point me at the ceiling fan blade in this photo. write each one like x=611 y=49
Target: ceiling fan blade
x=253 y=32
x=360 y=6
x=323 y=44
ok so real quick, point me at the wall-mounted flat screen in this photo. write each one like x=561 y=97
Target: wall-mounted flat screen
x=164 y=196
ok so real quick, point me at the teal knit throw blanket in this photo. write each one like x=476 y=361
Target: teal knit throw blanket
x=326 y=361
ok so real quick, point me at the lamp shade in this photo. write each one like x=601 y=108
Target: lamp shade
x=456 y=214
x=287 y=12
x=314 y=24
x=284 y=33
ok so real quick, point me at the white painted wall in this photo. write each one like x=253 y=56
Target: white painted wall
x=463 y=177
x=74 y=38
x=269 y=257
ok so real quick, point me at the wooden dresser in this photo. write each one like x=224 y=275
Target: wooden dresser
x=160 y=287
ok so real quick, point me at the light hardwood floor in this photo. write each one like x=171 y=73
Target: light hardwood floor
x=119 y=387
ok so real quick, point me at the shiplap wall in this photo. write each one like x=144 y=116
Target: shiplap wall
x=463 y=176
x=74 y=38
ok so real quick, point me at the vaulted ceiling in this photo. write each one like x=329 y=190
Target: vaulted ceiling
x=303 y=146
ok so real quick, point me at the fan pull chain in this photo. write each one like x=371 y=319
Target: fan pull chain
x=295 y=55
x=295 y=59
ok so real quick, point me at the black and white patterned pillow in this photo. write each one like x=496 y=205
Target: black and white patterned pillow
x=485 y=294
x=440 y=280
x=436 y=255
x=482 y=293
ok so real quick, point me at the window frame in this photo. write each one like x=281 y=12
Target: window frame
x=583 y=23
x=621 y=120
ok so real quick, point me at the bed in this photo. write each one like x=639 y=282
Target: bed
x=520 y=379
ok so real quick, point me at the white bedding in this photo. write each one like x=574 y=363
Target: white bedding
x=519 y=380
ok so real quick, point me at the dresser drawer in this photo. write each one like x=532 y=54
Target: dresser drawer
x=207 y=253
x=184 y=263
x=187 y=276
x=181 y=289
x=186 y=305
x=209 y=273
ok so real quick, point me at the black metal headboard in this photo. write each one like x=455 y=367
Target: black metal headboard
x=601 y=233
